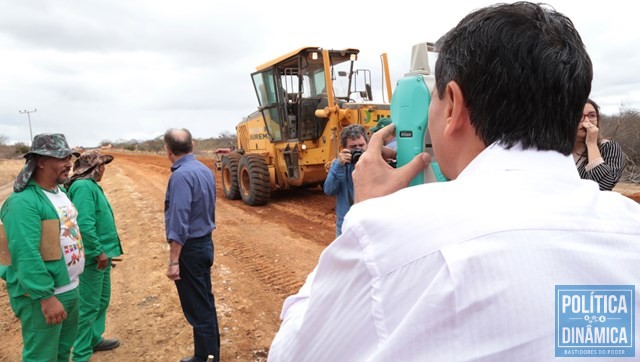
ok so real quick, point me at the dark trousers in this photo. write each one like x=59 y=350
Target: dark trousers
x=196 y=297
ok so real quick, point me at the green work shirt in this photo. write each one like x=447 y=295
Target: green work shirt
x=95 y=219
x=28 y=274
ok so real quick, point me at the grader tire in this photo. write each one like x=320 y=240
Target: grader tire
x=255 y=186
x=230 y=176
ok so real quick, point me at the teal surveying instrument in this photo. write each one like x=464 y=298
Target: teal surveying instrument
x=410 y=114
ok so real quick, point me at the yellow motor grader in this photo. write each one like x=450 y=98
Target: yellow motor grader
x=305 y=99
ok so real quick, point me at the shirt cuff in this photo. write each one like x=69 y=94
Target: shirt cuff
x=174 y=239
x=593 y=163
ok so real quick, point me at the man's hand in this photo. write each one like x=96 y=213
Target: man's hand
x=344 y=156
x=373 y=177
x=173 y=272
x=103 y=261
x=53 y=310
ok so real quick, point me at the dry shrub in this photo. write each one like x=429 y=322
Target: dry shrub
x=624 y=128
x=7 y=151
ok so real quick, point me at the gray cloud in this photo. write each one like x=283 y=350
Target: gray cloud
x=103 y=69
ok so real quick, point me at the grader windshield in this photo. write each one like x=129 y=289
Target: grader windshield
x=291 y=88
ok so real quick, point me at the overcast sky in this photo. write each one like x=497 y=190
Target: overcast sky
x=118 y=70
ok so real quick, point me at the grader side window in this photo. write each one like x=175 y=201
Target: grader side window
x=265 y=88
x=341 y=77
x=319 y=83
x=266 y=91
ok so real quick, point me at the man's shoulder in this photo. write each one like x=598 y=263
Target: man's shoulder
x=193 y=170
x=83 y=183
x=20 y=200
x=25 y=195
x=191 y=167
x=189 y=162
x=423 y=202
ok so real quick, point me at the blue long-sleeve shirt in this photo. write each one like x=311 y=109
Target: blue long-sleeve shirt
x=190 y=201
x=339 y=183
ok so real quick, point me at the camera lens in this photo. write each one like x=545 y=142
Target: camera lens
x=355 y=155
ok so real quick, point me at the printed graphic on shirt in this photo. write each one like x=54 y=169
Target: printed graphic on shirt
x=595 y=321
x=71 y=240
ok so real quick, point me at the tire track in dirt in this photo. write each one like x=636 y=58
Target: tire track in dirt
x=307 y=212
x=251 y=222
x=258 y=263
x=142 y=303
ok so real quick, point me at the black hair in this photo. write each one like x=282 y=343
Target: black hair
x=523 y=71
x=353 y=131
x=178 y=143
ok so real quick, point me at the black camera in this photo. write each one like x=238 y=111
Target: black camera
x=355 y=155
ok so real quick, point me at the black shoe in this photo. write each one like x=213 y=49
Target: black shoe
x=106 y=345
x=189 y=359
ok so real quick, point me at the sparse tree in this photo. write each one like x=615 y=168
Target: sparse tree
x=226 y=134
x=21 y=148
x=624 y=128
x=154 y=145
x=131 y=145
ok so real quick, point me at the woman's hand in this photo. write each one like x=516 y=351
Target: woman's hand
x=592 y=132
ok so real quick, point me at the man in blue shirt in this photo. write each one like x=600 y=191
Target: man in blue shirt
x=189 y=220
x=339 y=182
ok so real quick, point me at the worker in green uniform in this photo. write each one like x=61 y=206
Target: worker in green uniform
x=101 y=244
x=45 y=250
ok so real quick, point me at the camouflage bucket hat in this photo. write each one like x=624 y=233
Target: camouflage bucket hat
x=52 y=145
x=89 y=160
x=46 y=144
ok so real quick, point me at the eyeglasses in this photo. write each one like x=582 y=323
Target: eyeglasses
x=593 y=116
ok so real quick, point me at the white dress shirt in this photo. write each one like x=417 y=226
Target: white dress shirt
x=464 y=270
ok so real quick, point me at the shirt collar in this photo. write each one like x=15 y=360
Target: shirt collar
x=497 y=158
x=179 y=162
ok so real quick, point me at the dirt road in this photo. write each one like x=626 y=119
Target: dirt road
x=262 y=255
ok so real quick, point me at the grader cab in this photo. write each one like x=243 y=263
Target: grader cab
x=305 y=99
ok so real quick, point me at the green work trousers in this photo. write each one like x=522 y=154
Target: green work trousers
x=42 y=341
x=95 y=294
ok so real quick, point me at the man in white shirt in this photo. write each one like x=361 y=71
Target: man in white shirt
x=516 y=258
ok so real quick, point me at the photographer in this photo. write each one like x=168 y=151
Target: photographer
x=339 y=183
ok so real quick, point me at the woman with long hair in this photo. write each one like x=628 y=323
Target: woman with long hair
x=597 y=159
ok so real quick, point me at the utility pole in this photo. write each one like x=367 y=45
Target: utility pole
x=29 y=116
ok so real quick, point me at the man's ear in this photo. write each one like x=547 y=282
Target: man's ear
x=456 y=109
x=40 y=162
